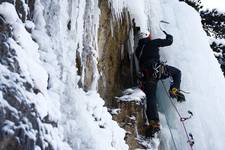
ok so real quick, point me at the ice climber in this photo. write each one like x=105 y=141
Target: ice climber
x=152 y=70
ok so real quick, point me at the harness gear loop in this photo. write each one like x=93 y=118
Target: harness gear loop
x=159 y=69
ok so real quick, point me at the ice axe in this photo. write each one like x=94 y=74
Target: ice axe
x=160 y=26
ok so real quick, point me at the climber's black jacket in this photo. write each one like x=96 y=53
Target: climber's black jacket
x=148 y=50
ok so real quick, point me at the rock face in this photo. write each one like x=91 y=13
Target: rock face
x=131 y=117
x=113 y=63
x=115 y=68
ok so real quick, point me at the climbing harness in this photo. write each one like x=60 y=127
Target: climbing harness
x=159 y=69
x=190 y=138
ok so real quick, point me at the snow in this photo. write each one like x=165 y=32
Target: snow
x=129 y=95
x=7 y=130
x=87 y=128
x=219 y=4
x=29 y=24
x=9 y=12
x=114 y=111
x=136 y=10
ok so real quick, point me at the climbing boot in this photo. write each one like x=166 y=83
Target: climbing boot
x=153 y=127
x=175 y=93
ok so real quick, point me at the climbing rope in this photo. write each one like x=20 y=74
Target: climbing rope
x=174 y=143
x=190 y=139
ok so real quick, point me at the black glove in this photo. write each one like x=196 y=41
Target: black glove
x=169 y=38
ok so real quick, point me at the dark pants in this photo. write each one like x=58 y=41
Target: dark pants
x=150 y=86
x=175 y=74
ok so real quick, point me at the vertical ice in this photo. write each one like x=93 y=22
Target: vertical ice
x=68 y=29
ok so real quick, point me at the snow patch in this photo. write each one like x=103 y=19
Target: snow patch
x=135 y=94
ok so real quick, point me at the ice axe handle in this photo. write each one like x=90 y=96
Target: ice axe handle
x=164 y=32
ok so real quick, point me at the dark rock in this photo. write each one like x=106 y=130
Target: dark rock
x=7 y=138
x=36 y=91
x=5 y=28
x=4 y=49
x=49 y=82
x=12 y=96
x=69 y=25
x=47 y=120
x=21 y=10
x=31 y=9
x=7 y=54
x=9 y=1
x=28 y=86
x=8 y=58
x=2 y=38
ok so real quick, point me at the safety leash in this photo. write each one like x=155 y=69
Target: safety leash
x=190 y=139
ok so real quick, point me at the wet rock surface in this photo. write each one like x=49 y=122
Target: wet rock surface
x=113 y=63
